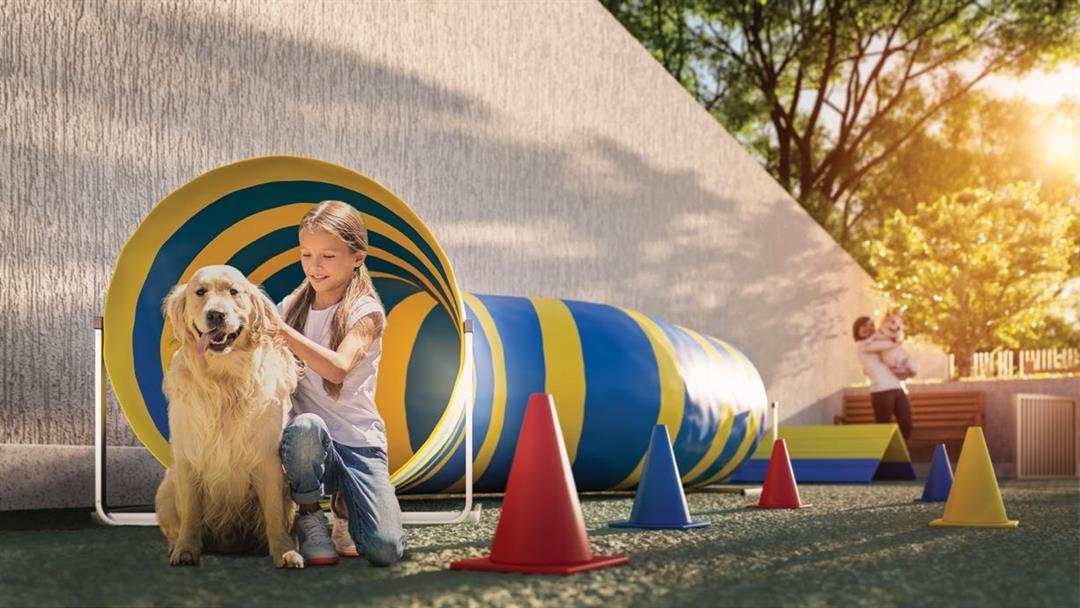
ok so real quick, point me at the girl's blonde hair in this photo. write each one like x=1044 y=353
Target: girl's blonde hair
x=346 y=223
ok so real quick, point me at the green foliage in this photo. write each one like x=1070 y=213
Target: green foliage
x=827 y=92
x=1052 y=332
x=977 y=268
x=979 y=142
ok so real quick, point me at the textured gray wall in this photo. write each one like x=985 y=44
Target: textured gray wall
x=548 y=152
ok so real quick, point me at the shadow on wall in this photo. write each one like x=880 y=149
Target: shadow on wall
x=130 y=106
x=827 y=407
x=587 y=218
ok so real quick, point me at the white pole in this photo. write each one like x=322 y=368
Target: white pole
x=775 y=409
x=430 y=518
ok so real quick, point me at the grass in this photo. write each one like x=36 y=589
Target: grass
x=858 y=546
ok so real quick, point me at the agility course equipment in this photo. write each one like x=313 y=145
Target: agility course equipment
x=660 y=503
x=940 y=480
x=615 y=373
x=975 y=499
x=541 y=529
x=779 y=490
x=851 y=453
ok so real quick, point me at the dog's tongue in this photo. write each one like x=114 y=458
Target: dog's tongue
x=204 y=342
x=208 y=337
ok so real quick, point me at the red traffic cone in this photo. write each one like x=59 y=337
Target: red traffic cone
x=541 y=528
x=779 y=490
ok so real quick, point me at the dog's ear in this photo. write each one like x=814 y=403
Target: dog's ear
x=175 y=313
x=265 y=320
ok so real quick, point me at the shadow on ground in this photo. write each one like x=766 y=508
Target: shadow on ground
x=858 y=546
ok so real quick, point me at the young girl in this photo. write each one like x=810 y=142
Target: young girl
x=336 y=438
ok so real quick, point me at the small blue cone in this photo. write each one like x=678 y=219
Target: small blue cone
x=660 y=503
x=940 y=481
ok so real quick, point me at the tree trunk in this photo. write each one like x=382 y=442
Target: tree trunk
x=963 y=360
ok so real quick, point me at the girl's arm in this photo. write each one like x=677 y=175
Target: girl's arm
x=875 y=345
x=334 y=365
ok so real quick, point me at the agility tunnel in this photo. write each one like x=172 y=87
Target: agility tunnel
x=841 y=453
x=614 y=373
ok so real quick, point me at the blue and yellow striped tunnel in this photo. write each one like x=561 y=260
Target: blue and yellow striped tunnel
x=614 y=373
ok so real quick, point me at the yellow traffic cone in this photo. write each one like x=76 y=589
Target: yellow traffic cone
x=975 y=499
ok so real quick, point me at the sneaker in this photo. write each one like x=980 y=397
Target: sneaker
x=314 y=536
x=343 y=541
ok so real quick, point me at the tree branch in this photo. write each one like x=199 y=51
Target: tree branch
x=883 y=59
x=917 y=125
x=828 y=168
x=874 y=120
x=826 y=76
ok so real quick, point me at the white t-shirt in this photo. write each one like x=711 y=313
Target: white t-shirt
x=352 y=419
x=881 y=377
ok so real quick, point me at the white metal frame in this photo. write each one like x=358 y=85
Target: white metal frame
x=465 y=390
x=114 y=518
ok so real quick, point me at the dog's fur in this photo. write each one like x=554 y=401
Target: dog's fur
x=226 y=490
x=896 y=359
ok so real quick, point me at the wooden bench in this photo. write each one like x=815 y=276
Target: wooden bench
x=941 y=417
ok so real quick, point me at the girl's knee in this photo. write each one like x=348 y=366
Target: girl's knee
x=304 y=441
x=383 y=550
x=307 y=423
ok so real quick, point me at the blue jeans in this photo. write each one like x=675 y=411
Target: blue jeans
x=313 y=459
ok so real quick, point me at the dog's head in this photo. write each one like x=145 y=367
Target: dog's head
x=892 y=326
x=219 y=311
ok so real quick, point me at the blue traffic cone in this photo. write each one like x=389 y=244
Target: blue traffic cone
x=940 y=481
x=660 y=502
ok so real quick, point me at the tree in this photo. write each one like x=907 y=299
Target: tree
x=978 y=268
x=1052 y=332
x=980 y=141
x=827 y=91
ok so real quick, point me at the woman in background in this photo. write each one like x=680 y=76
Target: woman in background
x=888 y=396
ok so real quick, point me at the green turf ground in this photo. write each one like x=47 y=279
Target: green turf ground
x=858 y=546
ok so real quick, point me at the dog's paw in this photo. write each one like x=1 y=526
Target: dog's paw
x=289 y=559
x=184 y=556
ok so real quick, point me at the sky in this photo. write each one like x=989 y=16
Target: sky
x=1039 y=87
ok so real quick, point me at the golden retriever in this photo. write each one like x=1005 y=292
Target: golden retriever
x=228 y=387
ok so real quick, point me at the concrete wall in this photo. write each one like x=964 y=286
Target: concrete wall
x=548 y=152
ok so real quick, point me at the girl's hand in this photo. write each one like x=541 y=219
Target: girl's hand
x=334 y=365
x=281 y=329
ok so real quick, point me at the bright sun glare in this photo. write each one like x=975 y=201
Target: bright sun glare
x=1059 y=139
x=1060 y=146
